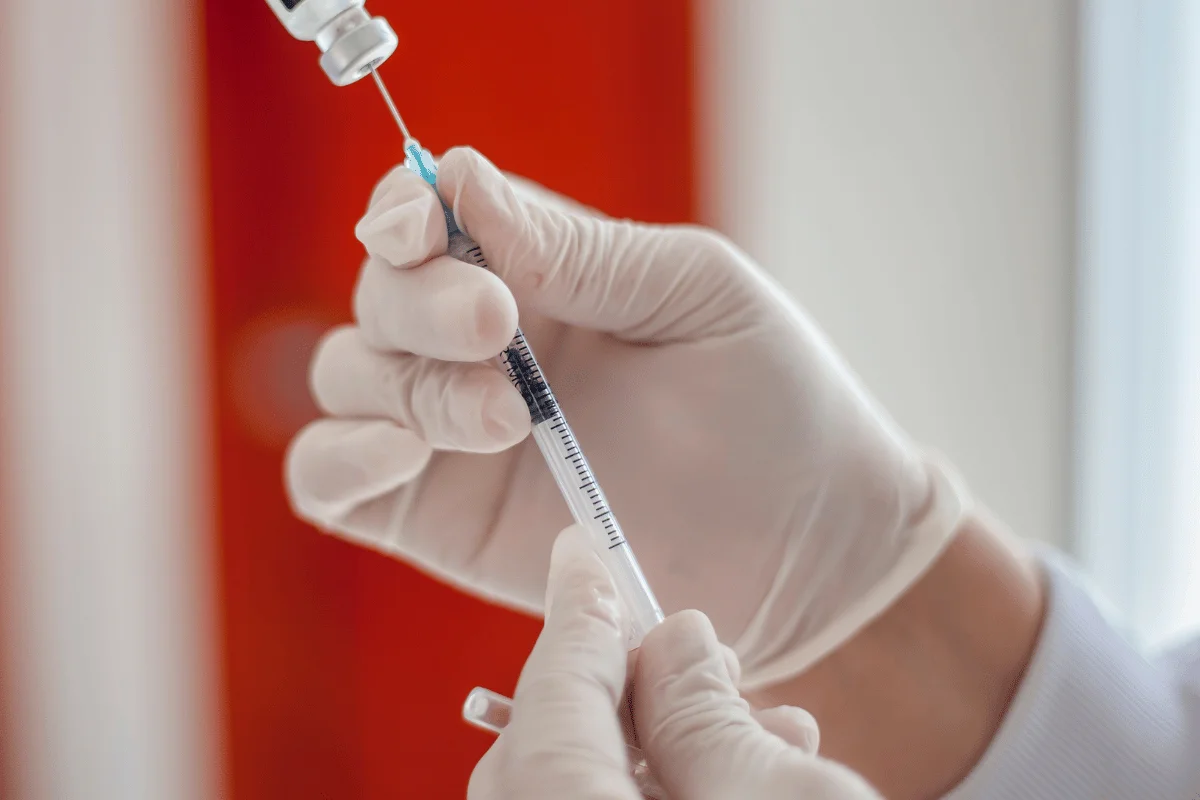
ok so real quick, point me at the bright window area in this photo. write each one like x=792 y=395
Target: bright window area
x=1138 y=348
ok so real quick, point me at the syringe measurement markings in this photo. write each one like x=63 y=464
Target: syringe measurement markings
x=541 y=390
x=526 y=376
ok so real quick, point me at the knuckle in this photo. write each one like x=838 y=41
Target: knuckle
x=457 y=162
x=579 y=673
x=366 y=303
x=396 y=387
x=558 y=684
x=708 y=246
x=566 y=767
x=596 y=627
x=360 y=300
x=464 y=153
x=414 y=391
x=396 y=177
x=698 y=729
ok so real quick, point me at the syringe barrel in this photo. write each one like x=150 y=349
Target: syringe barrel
x=590 y=509
x=556 y=441
x=570 y=467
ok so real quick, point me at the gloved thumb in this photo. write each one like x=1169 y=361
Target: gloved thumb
x=700 y=737
x=641 y=282
x=564 y=728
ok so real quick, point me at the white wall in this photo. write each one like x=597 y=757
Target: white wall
x=907 y=171
x=106 y=524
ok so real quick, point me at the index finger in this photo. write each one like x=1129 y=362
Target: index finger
x=565 y=734
x=404 y=224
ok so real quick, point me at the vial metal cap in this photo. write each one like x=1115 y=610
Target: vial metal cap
x=353 y=53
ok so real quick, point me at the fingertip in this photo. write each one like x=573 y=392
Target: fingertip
x=461 y=163
x=495 y=314
x=578 y=581
x=444 y=309
x=689 y=629
x=682 y=656
x=333 y=466
x=399 y=182
x=333 y=349
x=404 y=225
x=580 y=653
x=505 y=415
x=793 y=725
x=387 y=183
x=572 y=553
x=477 y=191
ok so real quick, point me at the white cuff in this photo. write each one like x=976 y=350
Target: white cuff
x=1092 y=718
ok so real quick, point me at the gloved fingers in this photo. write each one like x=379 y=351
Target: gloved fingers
x=640 y=282
x=564 y=739
x=687 y=707
x=487 y=781
x=452 y=406
x=533 y=192
x=732 y=665
x=443 y=309
x=794 y=725
x=699 y=736
x=404 y=224
x=334 y=466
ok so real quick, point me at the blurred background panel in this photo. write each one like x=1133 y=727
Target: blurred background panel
x=907 y=171
x=111 y=647
x=345 y=671
x=991 y=207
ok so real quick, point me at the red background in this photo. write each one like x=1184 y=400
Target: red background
x=344 y=671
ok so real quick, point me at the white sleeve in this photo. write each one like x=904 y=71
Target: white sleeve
x=1093 y=718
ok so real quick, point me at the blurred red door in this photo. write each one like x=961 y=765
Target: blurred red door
x=344 y=671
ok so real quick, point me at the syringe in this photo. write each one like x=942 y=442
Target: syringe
x=484 y=708
x=553 y=435
x=353 y=44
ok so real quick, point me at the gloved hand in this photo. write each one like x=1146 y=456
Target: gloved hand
x=752 y=474
x=699 y=737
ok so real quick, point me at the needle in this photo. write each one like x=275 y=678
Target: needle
x=387 y=98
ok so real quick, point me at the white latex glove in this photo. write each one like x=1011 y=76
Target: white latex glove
x=700 y=738
x=753 y=476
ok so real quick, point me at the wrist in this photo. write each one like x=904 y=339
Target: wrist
x=914 y=699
